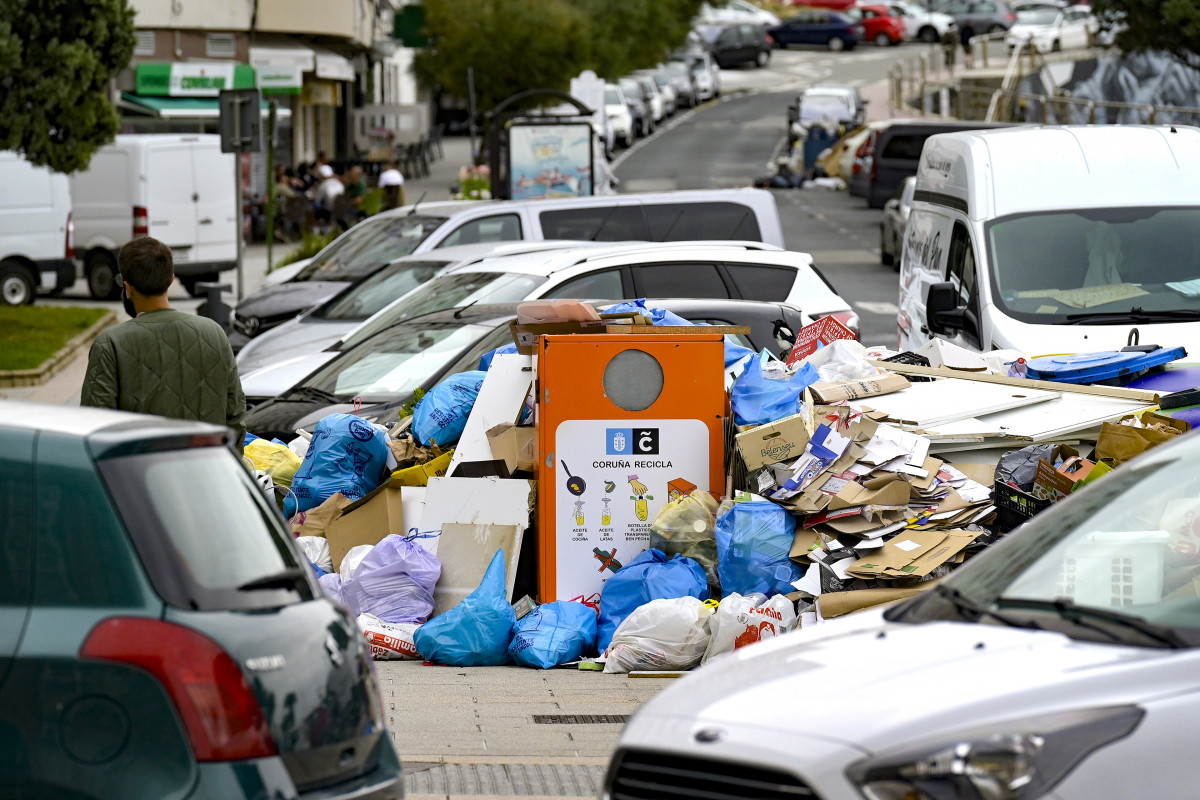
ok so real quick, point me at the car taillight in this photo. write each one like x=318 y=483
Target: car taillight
x=141 y=222
x=220 y=713
x=70 y=243
x=1010 y=16
x=847 y=318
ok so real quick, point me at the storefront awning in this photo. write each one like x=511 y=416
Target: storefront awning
x=283 y=55
x=331 y=66
x=183 y=107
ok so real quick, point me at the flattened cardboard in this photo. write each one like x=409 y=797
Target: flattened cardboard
x=803 y=542
x=912 y=554
x=856 y=390
x=517 y=446
x=366 y=521
x=892 y=492
x=779 y=441
x=465 y=552
x=836 y=604
x=476 y=501
x=315 y=521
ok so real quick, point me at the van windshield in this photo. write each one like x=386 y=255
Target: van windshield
x=1097 y=265
x=369 y=245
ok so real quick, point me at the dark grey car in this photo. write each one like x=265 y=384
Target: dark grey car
x=898 y=153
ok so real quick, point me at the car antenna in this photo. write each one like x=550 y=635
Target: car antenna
x=413 y=210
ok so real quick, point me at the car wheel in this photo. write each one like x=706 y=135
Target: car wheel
x=928 y=35
x=16 y=284
x=882 y=40
x=100 y=269
x=762 y=59
x=885 y=256
x=997 y=28
x=837 y=44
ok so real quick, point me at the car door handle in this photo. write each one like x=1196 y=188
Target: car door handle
x=206 y=221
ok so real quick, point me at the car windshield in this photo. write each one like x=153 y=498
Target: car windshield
x=709 y=33
x=370 y=244
x=449 y=291
x=370 y=296
x=1037 y=16
x=203 y=528
x=631 y=88
x=660 y=80
x=612 y=97
x=1117 y=562
x=1086 y=265
x=819 y=106
x=395 y=361
x=677 y=68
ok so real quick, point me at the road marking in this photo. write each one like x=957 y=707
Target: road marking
x=884 y=309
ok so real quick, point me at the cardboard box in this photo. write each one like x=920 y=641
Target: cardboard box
x=419 y=474
x=1055 y=484
x=822 y=332
x=678 y=489
x=516 y=446
x=855 y=390
x=770 y=444
x=366 y=521
x=525 y=335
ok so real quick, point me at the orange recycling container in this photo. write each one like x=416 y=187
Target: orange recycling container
x=626 y=423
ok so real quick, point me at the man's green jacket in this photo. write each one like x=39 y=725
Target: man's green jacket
x=168 y=363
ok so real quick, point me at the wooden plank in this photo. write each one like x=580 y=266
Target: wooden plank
x=1025 y=383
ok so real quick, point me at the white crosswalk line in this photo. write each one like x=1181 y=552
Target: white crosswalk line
x=885 y=309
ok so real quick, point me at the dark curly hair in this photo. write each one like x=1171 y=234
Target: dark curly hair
x=147 y=265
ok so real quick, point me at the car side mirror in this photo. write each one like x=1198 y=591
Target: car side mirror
x=942 y=312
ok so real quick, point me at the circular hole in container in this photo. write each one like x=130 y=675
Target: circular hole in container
x=633 y=380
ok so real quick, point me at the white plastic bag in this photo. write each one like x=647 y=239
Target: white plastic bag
x=742 y=620
x=389 y=641
x=352 y=559
x=299 y=446
x=842 y=360
x=317 y=550
x=665 y=634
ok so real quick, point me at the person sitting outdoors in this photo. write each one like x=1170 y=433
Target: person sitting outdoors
x=356 y=187
x=326 y=192
x=392 y=184
x=283 y=184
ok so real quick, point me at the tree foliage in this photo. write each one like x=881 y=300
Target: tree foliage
x=57 y=59
x=515 y=45
x=1171 y=26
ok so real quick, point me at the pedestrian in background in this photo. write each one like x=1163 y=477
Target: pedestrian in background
x=163 y=361
x=356 y=187
x=392 y=184
x=966 y=33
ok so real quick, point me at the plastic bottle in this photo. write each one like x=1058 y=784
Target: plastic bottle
x=1018 y=369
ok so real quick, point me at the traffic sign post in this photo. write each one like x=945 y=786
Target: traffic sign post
x=241 y=132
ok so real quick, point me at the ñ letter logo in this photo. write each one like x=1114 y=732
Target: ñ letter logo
x=619 y=442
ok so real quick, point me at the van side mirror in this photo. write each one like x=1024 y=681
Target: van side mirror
x=942 y=312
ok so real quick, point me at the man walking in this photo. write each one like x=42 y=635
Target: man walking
x=163 y=361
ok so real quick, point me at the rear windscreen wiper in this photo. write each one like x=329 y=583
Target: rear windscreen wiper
x=288 y=578
x=1132 y=315
x=1069 y=610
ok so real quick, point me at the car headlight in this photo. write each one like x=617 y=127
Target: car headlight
x=1018 y=761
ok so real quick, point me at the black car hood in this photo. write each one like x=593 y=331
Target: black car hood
x=288 y=299
x=279 y=418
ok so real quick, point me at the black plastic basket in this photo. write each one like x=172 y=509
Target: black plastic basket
x=1014 y=506
x=909 y=357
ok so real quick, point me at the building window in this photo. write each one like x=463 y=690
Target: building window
x=220 y=45
x=144 y=45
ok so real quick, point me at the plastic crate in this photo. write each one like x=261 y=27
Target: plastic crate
x=1114 y=569
x=909 y=357
x=1014 y=506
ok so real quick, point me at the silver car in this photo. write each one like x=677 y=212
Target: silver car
x=895 y=219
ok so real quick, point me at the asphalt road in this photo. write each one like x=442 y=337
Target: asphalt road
x=727 y=143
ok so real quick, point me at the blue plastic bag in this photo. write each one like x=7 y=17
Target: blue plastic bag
x=393 y=582
x=734 y=352
x=758 y=400
x=753 y=542
x=345 y=455
x=441 y=415
x=477 y=631
x=658 y=316
x=485 y=360
x=553 y=634
x=648 y=576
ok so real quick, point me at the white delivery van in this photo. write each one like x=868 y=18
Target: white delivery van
x=1055 y=240
x=35 y=230
x=177 y=188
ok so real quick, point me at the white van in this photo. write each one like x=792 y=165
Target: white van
x=35 y=231
x=714 y=214
x=1055 y=240
x=177 y=188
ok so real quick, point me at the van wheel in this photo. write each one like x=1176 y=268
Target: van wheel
x=837 y=44
x=928 y=35
x=101 y=271
x=16 y=284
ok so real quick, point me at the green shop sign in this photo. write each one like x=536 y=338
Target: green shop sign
x=192 y=79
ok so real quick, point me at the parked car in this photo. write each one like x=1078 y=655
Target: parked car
x=923 y=24
x=280 y=356
x=617 y=109
x=881 y=26
x=643 y=120
x=653 y=98
x=727 y=11
x=176 y=643
x=1051 y=28
x=682 y=80
x=384 y=369
x=665 y=88
x=36 y=231
x=381 y=239
x=738 y=43
x=174 y=187
x=897 y=152
x=837 y=30
x=1062 y=662
x=895 y=218
x=705 y=72
x=986 y=16
x=840 y=102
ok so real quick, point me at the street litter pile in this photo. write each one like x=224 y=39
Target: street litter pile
x=851 y=478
